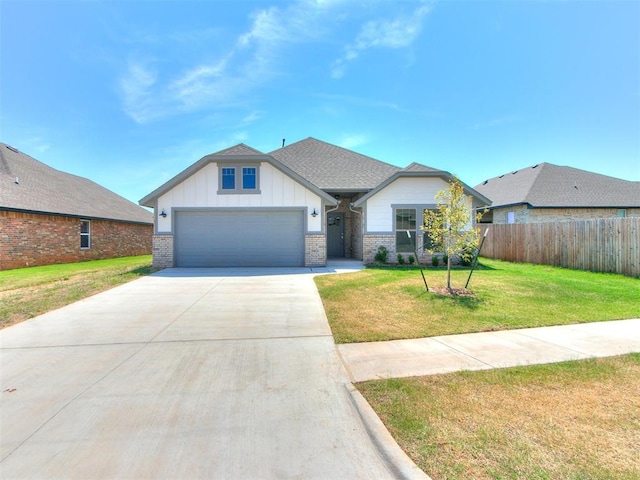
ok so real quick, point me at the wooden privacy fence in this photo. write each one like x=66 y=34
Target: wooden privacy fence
x=602 y=245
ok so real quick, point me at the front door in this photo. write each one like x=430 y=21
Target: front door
x=335 y=235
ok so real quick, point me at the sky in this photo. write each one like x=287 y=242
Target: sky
x=130 y=93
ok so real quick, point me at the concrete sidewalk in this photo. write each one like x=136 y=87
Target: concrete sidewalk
x=481 y=351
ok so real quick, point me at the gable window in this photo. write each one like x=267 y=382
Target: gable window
x=405 y=223
x=228 y=178
x=85 y=234
x=239 y=178
x=249 y=178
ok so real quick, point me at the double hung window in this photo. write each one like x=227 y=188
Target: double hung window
x=408 y=226
x=85 y=234
x=405 y=229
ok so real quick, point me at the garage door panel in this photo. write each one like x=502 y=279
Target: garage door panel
x=237 y=239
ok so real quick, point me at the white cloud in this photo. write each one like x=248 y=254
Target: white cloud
x=350 y=141
x=361 y=101
x=398 y=32
x=135 y=86
x=208 y=69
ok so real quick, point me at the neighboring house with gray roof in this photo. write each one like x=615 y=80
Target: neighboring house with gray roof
x=48 y=216
x=546 y=192
x=295 y=206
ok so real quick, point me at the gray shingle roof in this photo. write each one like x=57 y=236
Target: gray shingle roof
x=240 y=149
x=418 y=167
x=333 y=168
x=40 y=188
x=549 y=185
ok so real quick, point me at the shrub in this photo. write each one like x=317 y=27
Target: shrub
x=382 y=254
x=445 y=259
x=400 y=259
x=435 y=260
x=412 y=259
x=467 y=255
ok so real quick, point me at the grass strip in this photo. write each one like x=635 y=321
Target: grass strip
x=28 y=292
x=571 y=420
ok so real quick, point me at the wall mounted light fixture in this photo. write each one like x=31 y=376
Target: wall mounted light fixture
x=163 y=214
x=314 y=214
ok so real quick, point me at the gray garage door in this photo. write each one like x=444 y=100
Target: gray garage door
x=272 y=238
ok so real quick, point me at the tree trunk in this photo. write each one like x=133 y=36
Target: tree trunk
x=449 y=272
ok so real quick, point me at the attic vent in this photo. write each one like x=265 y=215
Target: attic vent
x=485 y=182
x=514 y=172
x=535 y=166
x=17 y=181
x=501 y=176
x=13 y=149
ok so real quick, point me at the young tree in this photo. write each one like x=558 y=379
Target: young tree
x=449 y=227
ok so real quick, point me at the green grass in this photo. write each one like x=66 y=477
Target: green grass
x=27 y=292
x=385 y=304
x=571 y=420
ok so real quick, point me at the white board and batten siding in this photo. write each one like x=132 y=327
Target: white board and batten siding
x=277 y=190
x=403 y=191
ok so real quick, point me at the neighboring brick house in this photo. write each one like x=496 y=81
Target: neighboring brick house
x=549 y=193
x=48 y=216
x=295 y=206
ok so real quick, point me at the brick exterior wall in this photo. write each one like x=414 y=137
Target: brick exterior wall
x=371 y=244
x=163 y=251
x=315 y=250
x=373 y=241
x=538 y=215
x=31 y=239
x=352 y=228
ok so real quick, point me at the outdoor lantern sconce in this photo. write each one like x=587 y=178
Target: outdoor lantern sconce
x=163 y=214
x=314 y=214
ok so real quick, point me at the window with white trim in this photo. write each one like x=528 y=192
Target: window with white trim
x=85 y=234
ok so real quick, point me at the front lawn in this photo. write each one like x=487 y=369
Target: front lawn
x=572 y=420
x=385 y=304
x=27 y=292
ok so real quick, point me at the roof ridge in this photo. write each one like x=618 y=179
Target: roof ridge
x=233 y=147
x=341 y=148
x=540 y=167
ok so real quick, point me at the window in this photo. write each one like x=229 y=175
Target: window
x=249 y=178
x=427 y=242
x=511 y=217
x=622 y=213
x=85 y=234
x=405 y=229
x=238 y=179
x=228 y=178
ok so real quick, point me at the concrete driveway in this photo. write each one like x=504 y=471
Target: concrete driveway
x=185 y=374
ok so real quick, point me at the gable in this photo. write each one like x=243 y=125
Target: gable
x=238 y=154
